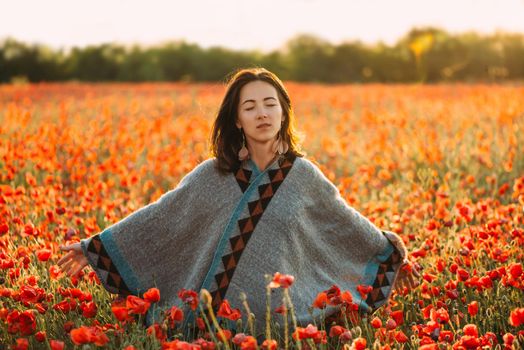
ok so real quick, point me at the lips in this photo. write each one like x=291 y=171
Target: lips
x=262 y=125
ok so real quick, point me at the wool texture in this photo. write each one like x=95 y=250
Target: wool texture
x=227 y=233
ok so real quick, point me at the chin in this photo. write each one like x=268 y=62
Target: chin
x=266 y=139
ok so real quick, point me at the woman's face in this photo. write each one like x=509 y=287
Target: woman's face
x=259 y=105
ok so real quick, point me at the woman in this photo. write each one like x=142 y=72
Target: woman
x=257 y=207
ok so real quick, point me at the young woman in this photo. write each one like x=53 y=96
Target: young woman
x=259 y=206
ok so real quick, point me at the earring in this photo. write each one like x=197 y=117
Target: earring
x=283 y=146
x=244 y=152
x=280 y=146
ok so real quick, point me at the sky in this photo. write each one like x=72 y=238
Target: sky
x=244 y=24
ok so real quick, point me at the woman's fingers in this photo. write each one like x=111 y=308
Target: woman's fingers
x=69 y=270
x=65 y=258
x=411 y=282
x=73 y=246
x=405 y=280
x=67 y=265
x=77 y=269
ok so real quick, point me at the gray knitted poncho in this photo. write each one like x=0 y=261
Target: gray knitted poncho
x=225 y=232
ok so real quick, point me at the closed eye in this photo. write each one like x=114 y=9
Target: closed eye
x=250 y=108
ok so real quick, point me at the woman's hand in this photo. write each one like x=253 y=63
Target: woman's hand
x=408 y=277
x=74 y=261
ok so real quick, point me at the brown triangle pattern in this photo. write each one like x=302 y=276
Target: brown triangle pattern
x=103 y=262
x=376 y=296
x=217 y=298
x=243 y=176
x=256 y=208
x=247 y=225
x=265 y=191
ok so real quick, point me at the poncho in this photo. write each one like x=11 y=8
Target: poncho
x=224 y=233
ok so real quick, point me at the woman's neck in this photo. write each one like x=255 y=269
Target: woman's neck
x=262 y=155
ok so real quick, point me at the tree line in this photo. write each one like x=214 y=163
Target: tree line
x=422 y=55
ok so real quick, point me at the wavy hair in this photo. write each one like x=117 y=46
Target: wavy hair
x=226 y=138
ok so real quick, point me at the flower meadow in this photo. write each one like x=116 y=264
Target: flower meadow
x=441 y=165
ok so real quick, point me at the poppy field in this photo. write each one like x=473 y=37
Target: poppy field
x=441 y=165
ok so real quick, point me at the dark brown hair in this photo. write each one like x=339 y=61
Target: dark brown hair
x=226 y=138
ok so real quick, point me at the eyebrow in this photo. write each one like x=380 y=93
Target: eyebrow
x=267 y=98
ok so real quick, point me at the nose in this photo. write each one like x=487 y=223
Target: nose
x=262 y=112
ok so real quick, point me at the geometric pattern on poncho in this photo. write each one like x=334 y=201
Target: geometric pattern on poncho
x=106 y=269
x=247 y=225
x=384 y=279
x=243 y=175
x=382 y=285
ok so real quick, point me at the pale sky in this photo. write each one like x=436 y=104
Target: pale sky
x=244 y=24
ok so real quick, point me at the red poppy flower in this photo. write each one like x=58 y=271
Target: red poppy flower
x=462 y=274
x=471 y=329
x=280 y=280
x=282 y=309
x=508 y=340
x=200 y=323
x=157 y=331
x=320 y=301
x=364 y=291
x=431 y=346
x=4 y=228
x=30 y=294
x=336 y=330
x=175 y=314
x=333 y=291
x=40 y=336
x=391 y=324
x=99 y=338
x=238 y=338
x=55 y=272
x=224 y=335
x=88 y=309
x=270 y=344
x=398 y=316
x=469 y=342
x=189 y=297
x=441 y=315
x=21 y=344
x=346 y=297
x=121 y=313
x=56 y=344
x=152 y=295
x=360 y=343
x=226 y=311
x=60 y=210
x=515 y=270
x=137 y=305
x=473 y=308
x=66 y=305
x=310 y=332
x=43 y=254
x=376 y=322
x=446 y=336
x=516 y=318
x=249 y=343
x=24 y=322
x=68 y=326
x=82 y=335
x=401 y=337
x=204 y=345
x=179 y=345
